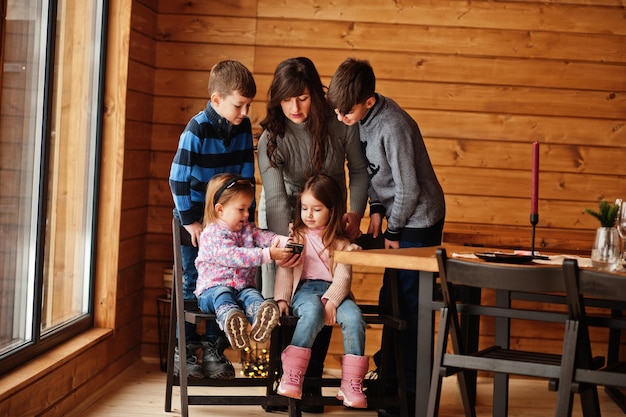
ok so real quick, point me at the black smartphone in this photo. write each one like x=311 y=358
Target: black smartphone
x=296 y=248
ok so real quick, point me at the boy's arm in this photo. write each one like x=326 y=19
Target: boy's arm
x=180 y=178
x=399 y=145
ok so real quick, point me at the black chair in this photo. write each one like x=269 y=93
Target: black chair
x=499 y=358
x=589 y=286
x=378 y=396
x=187 y=311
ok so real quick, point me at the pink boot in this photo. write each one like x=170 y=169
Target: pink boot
x=295 y=361
x=353 y=369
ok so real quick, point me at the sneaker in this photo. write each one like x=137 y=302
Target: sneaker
x=236 y=329
x=265 y=321
x=193 y=369
x=214 y=364
x=370 y=388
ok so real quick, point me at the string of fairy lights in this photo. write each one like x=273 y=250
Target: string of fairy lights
x=255 y=361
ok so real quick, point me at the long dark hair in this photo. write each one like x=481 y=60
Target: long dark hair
x=291 y=77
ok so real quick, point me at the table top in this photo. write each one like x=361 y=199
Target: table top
x=423 y=259
x=418 y=259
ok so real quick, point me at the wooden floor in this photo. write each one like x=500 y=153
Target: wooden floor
x=140 y=391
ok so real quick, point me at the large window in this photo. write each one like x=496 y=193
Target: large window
x=49 y=130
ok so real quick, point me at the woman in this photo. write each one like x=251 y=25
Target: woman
x=301 y=137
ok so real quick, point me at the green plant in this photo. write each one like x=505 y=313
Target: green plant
x=606 y=214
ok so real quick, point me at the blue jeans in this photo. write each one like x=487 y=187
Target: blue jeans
x=308 y=307
x=407 y=300
x=190 y=277
x=220 y=300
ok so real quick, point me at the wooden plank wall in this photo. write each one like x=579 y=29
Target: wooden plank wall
x=484 y=79
x=136 y=268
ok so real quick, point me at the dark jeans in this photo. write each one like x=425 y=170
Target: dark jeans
x=407 y=300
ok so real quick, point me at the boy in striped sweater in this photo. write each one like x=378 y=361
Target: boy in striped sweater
x=216 y=140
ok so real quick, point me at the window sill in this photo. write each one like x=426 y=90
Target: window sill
x=25 y=375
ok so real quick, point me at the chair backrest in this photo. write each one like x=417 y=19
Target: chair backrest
x=496 y=276
x=180 y=236
x=608 y=290
x=177 y=272
x=582 y=283
x=601 y=284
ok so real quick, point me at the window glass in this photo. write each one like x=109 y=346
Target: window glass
x=49 y=121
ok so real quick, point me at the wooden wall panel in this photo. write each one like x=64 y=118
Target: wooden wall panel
x=444 y=40
x=483 y=80
x=137 y=160
x=419 y=66
x=239 y=8
x=524 y=129
x=200 y=57
x=554 y=17
x=191 y=28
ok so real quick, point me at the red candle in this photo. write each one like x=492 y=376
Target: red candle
x=534 y=203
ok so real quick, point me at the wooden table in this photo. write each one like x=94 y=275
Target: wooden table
x=424 y=262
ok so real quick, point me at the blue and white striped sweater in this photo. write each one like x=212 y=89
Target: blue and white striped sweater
x=209 y=145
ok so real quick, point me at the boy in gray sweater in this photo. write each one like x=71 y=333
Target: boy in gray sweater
x=403 y=186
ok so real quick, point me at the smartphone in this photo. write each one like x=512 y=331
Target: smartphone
x=296 y=248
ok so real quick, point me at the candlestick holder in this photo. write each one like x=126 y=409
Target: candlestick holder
x=534 y=219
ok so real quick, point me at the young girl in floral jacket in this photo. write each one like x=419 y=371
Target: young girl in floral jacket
x=230 y=249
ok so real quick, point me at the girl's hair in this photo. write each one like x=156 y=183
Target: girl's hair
x=221 y=189
x=291 y=77
x=328 y=192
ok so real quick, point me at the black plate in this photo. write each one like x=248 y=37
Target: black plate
x=507 y=258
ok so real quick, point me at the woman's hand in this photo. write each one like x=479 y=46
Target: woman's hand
x=352 y=225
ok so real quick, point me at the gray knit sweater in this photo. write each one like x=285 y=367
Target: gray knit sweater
x=403 y=184
x=282 y=185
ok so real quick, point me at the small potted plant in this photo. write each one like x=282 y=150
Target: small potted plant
x=605 y=252
x=606 y=214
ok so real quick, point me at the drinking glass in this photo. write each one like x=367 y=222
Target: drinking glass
x=605 y=253
x=620 y=224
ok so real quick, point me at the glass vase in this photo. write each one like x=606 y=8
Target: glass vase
x=605 y=253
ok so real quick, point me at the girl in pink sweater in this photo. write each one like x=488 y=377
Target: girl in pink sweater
x=318 y=292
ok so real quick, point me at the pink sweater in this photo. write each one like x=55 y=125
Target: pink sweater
x=287 y=279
